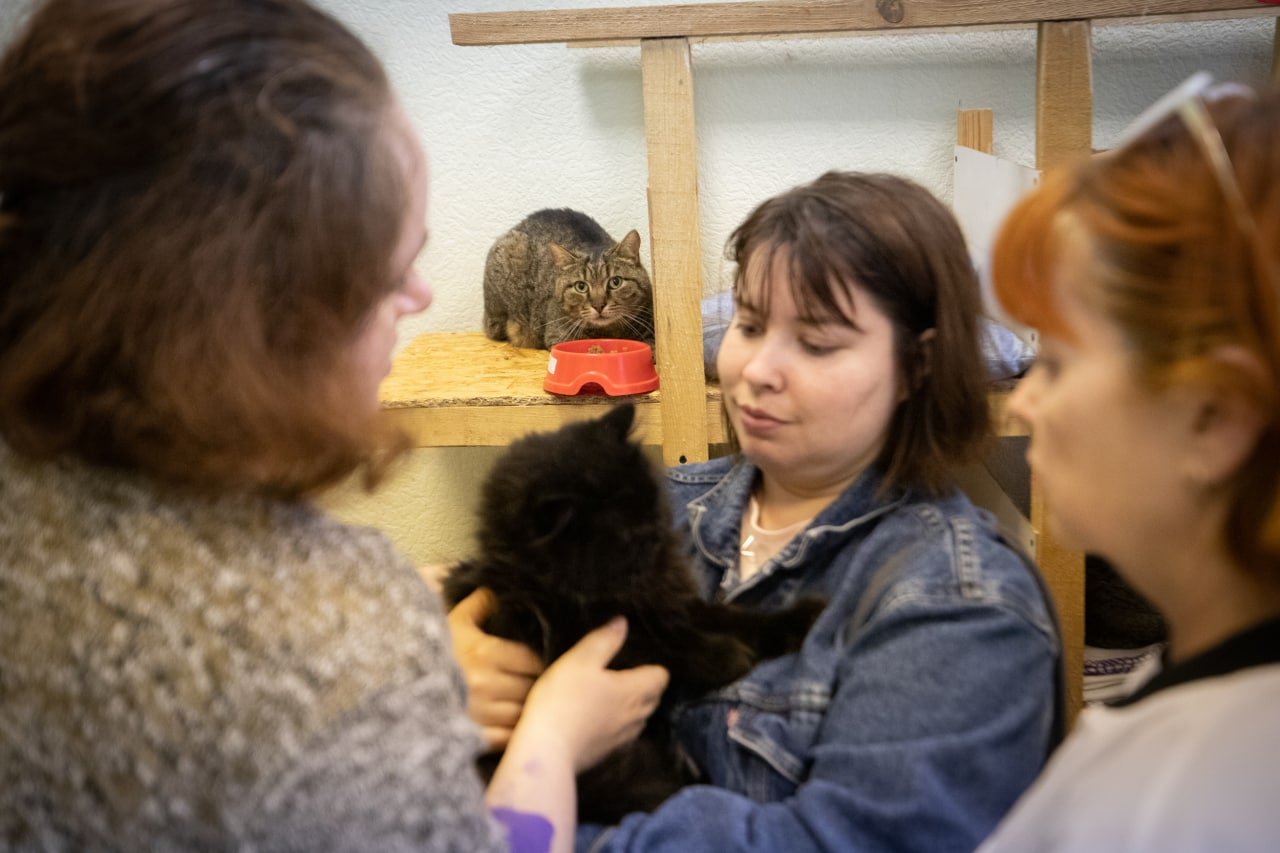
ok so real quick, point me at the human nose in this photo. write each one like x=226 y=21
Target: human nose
x=765 y=367
x=415 y=295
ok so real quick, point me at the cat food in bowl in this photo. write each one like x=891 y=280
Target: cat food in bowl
x=614 y=365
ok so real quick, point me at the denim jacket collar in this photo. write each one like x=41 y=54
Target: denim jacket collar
x=716 y=519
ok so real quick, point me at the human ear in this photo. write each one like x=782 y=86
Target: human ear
x=925 y=347
x=1226 y=420
x=919 y=364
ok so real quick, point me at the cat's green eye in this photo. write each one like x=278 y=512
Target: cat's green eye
x=580 y=286
x=616 y=281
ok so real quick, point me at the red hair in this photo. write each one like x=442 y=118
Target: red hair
x=1172 y=267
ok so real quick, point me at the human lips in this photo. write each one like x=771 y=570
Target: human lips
x=758 y=420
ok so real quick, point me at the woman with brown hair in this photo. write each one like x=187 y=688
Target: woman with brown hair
x=209 y=216
x=922 y=701
x=1153 y=275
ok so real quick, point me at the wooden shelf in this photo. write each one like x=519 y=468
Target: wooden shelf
x=457 y=389
x=454 y=389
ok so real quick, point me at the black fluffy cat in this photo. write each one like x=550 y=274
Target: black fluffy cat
x=574 y=529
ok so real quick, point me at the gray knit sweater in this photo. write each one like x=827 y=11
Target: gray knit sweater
x=184 y=673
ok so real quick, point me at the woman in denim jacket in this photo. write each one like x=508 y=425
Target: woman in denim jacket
x=921 y=703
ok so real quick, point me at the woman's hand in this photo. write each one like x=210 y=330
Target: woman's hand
x=499 y=673
x=577 y=713
x=586 y=708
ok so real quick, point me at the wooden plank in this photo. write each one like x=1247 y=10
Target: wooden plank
x=465 y=368
x=1064 y=132
x=497 y=426
x=675 y=248
x=460 y=369
x=1230 y=14
x=1064 y=93
x=1063 y=572
x=1275 y=55
x=974 y=129
x=458 y=389
x=789 y=17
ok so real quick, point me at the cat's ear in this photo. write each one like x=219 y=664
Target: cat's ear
x=629 y=247
x=551 y=515
x=619 y=420
x=560 y=256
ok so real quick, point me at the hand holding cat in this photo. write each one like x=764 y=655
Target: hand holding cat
x=577 y=713
x=588 y=709
x=499 y=673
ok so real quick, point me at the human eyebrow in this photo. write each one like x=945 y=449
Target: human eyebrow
x=828 y=323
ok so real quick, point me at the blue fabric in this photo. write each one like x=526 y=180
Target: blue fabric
x=1004 y=353
x=913 y=730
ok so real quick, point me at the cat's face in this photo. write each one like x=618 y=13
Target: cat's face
x=580 y=509
x=605 y=296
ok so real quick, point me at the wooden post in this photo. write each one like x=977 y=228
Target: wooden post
x=1064 y=132
x=666 y=67
x=974 y=129
x=1064 y=92
x=1275 y=56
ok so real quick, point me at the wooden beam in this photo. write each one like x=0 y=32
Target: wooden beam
x=1275 y=56
x=1063 y=573
x=1230 y=14
x=782 y=17
x=974 y=129
x=666 y=69
x=1064 y=132
x=1064 y=93
x=499 y=425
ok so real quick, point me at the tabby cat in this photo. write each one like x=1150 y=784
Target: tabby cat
x=575 y=529
x=558 y=276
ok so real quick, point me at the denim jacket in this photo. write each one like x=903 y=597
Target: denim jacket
x=917 y=710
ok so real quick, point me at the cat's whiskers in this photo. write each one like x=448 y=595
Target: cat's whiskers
x=565 y=328
x=634 y=322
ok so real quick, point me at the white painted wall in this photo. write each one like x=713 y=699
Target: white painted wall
x=511 y=129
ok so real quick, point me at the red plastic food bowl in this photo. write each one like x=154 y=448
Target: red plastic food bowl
x=616 y=365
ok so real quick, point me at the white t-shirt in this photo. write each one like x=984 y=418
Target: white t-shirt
x=1194 y=766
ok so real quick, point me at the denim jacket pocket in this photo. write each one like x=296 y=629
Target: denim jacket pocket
x=773 y=735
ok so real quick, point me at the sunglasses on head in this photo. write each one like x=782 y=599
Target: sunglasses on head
x=1187 y=101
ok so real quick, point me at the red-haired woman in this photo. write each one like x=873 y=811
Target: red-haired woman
x=1153 y=274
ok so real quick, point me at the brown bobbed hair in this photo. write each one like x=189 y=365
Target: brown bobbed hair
x=1167 y=261
x=892 y=239
x=199 y=201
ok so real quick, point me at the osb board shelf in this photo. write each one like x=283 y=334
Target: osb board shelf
x=460 y=389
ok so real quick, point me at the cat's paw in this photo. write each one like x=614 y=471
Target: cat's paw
x=793 y=624
x=722 y=660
